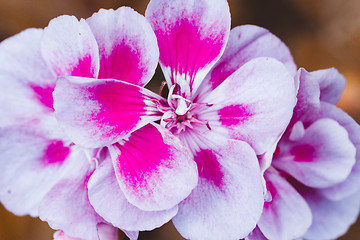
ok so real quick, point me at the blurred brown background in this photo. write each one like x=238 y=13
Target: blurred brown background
x=319 y=33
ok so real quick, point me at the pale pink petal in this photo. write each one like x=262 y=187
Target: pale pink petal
x=154 y=169
x=286 y=216
x=69 y=47
x=132 y=235
x=256 y=234
x=191 y=35
x=246 y=43
x=109 y=201
x=60 y=235
x=227 y=202
x=32 y=164
x=332 y=84
x=260 y=94
x=25 y=81
x=67 y=206
x=350 y=185
x=127 y=45
x=322 y=158
x=331 y=219
x=308 y=95
x=107 y=232
x=97 y=113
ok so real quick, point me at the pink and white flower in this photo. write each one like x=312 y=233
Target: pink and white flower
x=44 y=173
x=312 y=183
x=210 y=128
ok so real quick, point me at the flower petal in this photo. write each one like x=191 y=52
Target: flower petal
x=287 y=215
x=322 y=158
x=96 y=113
x=228 y=200
x=256 y=234
x=332 y=84
x=260 y=94
x=331 y=219
x=191 y=36
x=109 y=201
x=127 y=45
x=26 y=83
x=32 y=164
x=350 y=186
x=67 y=206
x=246 y=43
x=154 y=169
x=69 y=47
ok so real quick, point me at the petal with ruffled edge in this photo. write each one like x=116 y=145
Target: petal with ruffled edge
x=127 y=45
x=26 y=83
x=287 y=215
x=331 y=219
x=322 y=158
x=246 y=43
x=154 y=169
x=32 y=164
x=332 y=84
x=260 y=94
x=191 y=36
x=227 y=202
x=109 y=201
x=96 y=113
x=67 y=206
x=350 y=185
x=69 y=47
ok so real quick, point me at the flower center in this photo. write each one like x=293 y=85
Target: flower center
x=179 y=113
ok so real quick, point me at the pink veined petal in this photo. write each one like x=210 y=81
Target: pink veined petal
x=228 y=200
x=322 y=158
x=26 y=83
x=256 y=234
x=154 y=169
x=350 y=185
x=66 y=206
x=246 y=43
x=331 y=219
x=260 y=94
x=104 y=188
x=32 y=164
x=191 y=34
x=287 y=215
x=69 y=48
x=127 y=45
x=96 y=113
x=332 y=84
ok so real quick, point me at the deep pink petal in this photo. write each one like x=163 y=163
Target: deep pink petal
x=191 y=36
x=127 y=45
x=32 y=164
x=260 y=94
x=26 y=83
x=287 y=215
x=322 y=158
x=154 y=169
x=246 y=43
x=331 y=219
x=69 y=47
x=97 y=113
x=227 y=202
x=350 y=185
x=67 y=206
x=104 y=188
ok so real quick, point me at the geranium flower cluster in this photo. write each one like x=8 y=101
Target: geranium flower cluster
x=239 y=144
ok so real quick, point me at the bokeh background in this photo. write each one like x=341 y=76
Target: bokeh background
x=319 y=33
